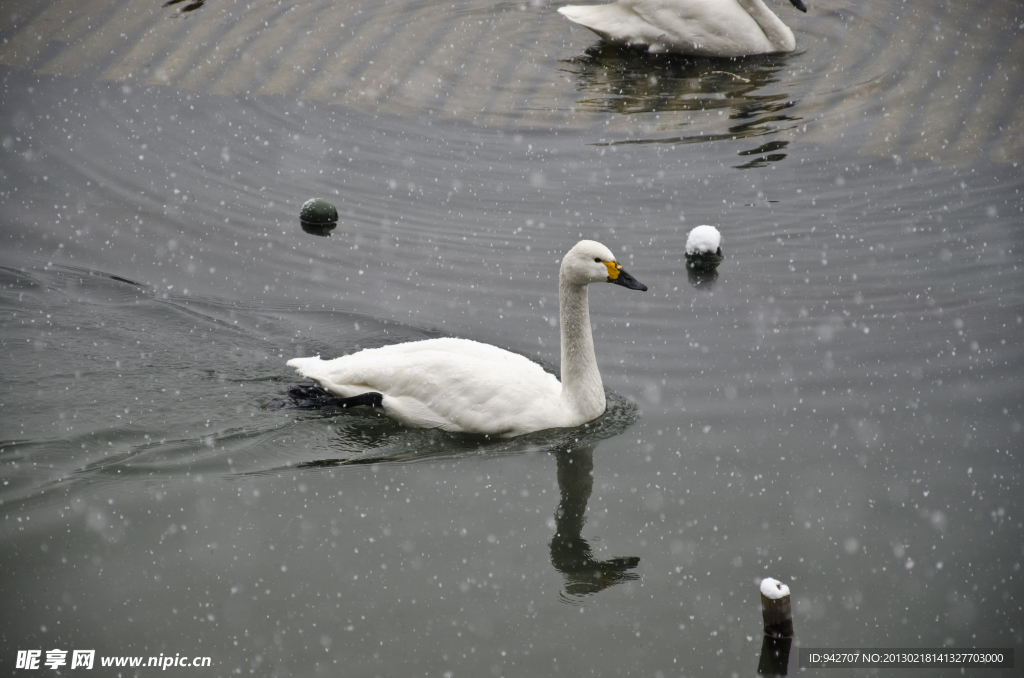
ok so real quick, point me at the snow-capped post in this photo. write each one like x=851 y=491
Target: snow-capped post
x=775 y=608
x=704 y=248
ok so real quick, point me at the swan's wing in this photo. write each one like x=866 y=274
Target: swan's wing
x=615 y=23
x=699 y=27
x=455 y=384
x=704 y=28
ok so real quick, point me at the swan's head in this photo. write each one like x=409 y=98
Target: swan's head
x=591 y=262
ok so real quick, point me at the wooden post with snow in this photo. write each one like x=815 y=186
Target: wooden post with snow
x=776 y=609
x=778 y=628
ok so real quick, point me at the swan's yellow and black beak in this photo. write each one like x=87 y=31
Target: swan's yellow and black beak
x=799 y=5
x=618 y=276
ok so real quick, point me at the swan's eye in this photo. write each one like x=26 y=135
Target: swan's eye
x=597 y=259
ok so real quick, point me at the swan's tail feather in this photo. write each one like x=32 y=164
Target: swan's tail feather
x=303 y=365
x=317 y=370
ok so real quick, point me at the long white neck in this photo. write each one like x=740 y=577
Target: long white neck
x=581 y=381
x=778 y=33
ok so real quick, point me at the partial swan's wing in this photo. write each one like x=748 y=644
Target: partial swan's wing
x=699 y=27
x=613 y=22
x=705 y=27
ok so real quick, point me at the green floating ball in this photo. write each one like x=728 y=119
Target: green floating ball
x=318 y=212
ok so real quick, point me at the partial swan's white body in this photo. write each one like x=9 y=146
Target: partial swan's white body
x=465 y=386
x=713 y=28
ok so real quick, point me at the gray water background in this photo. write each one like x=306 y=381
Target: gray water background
x=839 y=408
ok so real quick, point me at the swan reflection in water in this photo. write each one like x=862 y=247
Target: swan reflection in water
x=668 y=94
x=570 y=552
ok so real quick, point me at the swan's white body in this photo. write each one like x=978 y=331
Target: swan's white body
x=465 y=386
x=714 y=28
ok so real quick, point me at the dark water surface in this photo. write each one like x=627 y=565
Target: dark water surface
x=840 y=407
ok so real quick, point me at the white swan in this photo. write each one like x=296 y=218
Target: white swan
x=713 y=28
x=463 y=385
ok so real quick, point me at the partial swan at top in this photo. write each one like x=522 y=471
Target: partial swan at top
x=711 y=28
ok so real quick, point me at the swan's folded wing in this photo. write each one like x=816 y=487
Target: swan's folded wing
x=704 y=28
x=455 y=384
x=613 y=22
x=699 y=27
